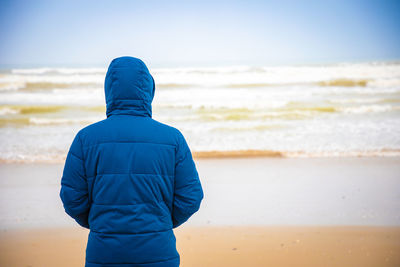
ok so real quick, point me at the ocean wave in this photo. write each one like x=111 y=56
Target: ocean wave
x=11 y=86
x=326 y=83
x=51 y=85
x=230 y=77
x=174 y=85
x=6 y=110
x=248 y=85
x=33 y=86
x=25 y=121
x=207 y=70
x=389 y=100
x=99 y=109
x=10 y=109
x=344 y=83
x=323 y=109
x=336 y=83
x=367 y=109
x=59 y=71
x=288 y=112
x=54 y=121
x=251 y=85
x=259 y=127
x=339 y=109
x=214 y=114
x=362 y=100
x=334 y=75
x=14 y=122
x=266 y=115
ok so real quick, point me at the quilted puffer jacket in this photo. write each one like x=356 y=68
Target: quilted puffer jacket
x=128 y=178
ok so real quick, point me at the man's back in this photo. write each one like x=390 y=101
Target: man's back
x=129 y=178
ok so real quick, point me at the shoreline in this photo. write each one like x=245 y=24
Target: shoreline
x=253 y=153
x=245 y=154
x=223 y=246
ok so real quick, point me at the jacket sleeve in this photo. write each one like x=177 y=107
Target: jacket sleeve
x=74 y=189
x=188 y=192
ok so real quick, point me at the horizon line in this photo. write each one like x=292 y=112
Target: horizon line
x=202 y=64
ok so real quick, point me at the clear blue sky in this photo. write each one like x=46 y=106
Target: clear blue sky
x=169 y=32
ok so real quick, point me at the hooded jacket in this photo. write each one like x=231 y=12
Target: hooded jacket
x=128 y=178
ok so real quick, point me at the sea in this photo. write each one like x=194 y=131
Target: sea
x=315 y=110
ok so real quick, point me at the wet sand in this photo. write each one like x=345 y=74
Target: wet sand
x=224 y=246
x=238 y=191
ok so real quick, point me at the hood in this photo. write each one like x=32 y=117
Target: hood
x=129 y=87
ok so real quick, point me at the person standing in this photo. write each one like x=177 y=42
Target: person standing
x=129 y=178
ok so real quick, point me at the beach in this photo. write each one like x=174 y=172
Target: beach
x=299 y=163
x=290 y=111
x=257 y=211
x=224 y=246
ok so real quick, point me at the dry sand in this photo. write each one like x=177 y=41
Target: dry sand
x=224 y=246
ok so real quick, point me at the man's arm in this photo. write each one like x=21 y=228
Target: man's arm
x=74 y=189
x=188 y=192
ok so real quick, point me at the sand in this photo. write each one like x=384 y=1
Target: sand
x=224 y=246
x=267 y=211
x=238 y=191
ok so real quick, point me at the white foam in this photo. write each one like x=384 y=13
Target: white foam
x=367 y=109
x=48 y=121
x=11 y=86
x=383 y=75
x=7 y=111
x=60 y=71
x=222 y=108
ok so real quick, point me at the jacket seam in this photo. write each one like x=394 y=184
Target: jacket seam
x=77 y=189
x=134 y=142
x=132 y=204
x=83 y=156
x=127 y=99
x=91 y=176
x=141 y=233
x=73 y=154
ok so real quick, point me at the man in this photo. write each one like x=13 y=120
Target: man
x=128 y=178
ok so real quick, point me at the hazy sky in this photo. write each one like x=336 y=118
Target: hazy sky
x=198 y=32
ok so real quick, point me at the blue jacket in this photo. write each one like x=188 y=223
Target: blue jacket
x=128 y=178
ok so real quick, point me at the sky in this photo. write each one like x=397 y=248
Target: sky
x=174 y=33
